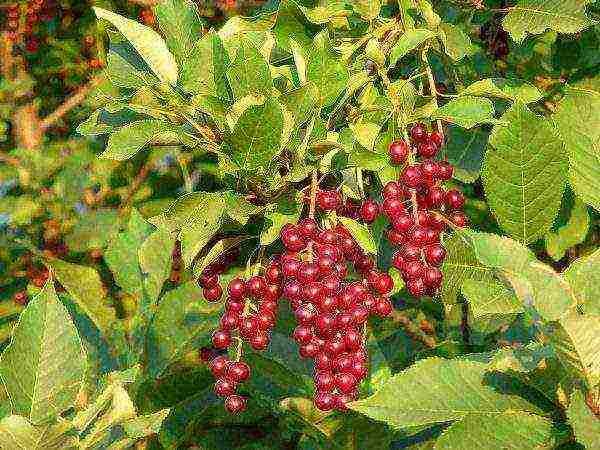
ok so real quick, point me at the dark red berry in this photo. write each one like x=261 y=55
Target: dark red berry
x=427 y=150
x=266 y=320
x=221 y=339
x=213 y=294
x=403 y=222
x=306 y=314
x=437 y=139
x=429 y=169
x=328 y=200
x=325 y=401
x=218 y=366
x=353 y=339
x=308 y=272
x=308 y=228
x=393 y=207
x=293 y=291
x=334 y=346
x=395 y=237
x=234 y=306
x=290 y=267
x=413 y=269
x=324 y=381
x=455 y=199
x=259 y=341
x=238 y=371
x=208 y=280
x=359 y=369
x=273 y=274
x=383 y=307
x=432 y=277
x=345 y=382
x=309 y=350
x=444 y=170
x=323 y=361
x=392 y=189
x=229 y=321
x=418 y=133
x=383 y=284
x=236 y=288
x=224 y=387
x=416 y=287
x=235 y=404
x=398 y=151
x=435 y=197
x=412 y=176
x=303 y=334
x=435 y=254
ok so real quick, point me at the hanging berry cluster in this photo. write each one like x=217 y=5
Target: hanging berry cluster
x=419 y=209
x=36 y=11
x=331 y=309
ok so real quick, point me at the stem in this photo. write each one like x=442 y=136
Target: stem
x=189 y=187
x=248 y=305
x=432 y=88
x=314 y=184
x=413 y=193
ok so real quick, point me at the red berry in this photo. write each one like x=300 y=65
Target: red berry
x=353 y=339
x=345 y=382
x=435 y=197
x=218 y=366
x=221 y=339
x=398 y=260
x=235 y=404
x=392 y=189
x=427 y=150
x=327 y=237
x=234 y=306
x=208 y=280
x=327 y=303
x=412 y=176
x=292 y=240
x=248 y=326
x=398 y=151
x=325 y=401
x=411 y=252
x=435 y=254
x=323 y=361
x=383 y=307
x=308 y=228
x=343 y=320
x=290 y=267
x=303 y=334
x=416 y=287
x=459 y=219
x=259 y=341
x=328 y=200
x=369 y=211
x=384 y=283
x=403 y=222
x=238 y=371
x=236 y=288
x=266 y=320
x=268 y=306
x=413 y=269
x=213 y=294
x=255 y=287
x=455 y=199
x=293 y=291
x=308 y=272
x=393 y=207
x=20 y=298
x=273 y=274
x=306 y=314
x=429 y=169
x=309 y=350
x=224 y=387
x=229 y=321
x=324 y=381
x=444 y=170
x=395 y=237
x=418 y=133
x=437 y=139
x=359 y=369
x=331 y=284
x=326 y=264
x=343 y=363
x=432 y=277
x=335 y=346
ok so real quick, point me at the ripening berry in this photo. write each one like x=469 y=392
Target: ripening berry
x=325 y=401
x=398 y=151
x=427 y=150
x=221 y=339
x=20 y=298
x=224 y=387
x=235 y=404
x=455 y=199
x=236 y=288
x=218 y=366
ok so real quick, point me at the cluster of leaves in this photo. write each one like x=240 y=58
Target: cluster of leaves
x=256 y=107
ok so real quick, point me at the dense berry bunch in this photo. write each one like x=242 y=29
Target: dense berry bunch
x=419 y=210
x=331 y=311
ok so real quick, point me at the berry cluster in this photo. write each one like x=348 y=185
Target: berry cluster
x=209 y=279
x=331 y=311
x=36 y=11
x=418 y=209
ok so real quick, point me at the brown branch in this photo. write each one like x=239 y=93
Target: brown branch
x=146 y=3
x=73 y=101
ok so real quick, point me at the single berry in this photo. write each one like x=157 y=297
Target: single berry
x=459 y=219
x=273 y=274
x=236 y=288
x=208 y=280
x=435 y=197
x=308 y=228
x=455 y=199
x=432 y=277
x=383 y=307
x=255 y=287
x=444 y=170
x=308 y=272
x=218 y=366
x=221 y=339
x=427 y=150
x=435 y=254
x=266 y=320
x=369 y=211
x=229 y=321
x=259 y=341
x=213 y=294
x=398 y=151
x=437 y=139
x=345 y=382
x=248 y=326
x=293 y=291
x=353 y=339
x=309 y=350
x=392 y=189
x=416 y=287
x=329 y=200
x=325 y=401
x=303 y=334
x=393 y=207
x=323 y=361
x=238 y=371
x=290 y=267
x=412 y=176
x=224 y=387
x=324 y=381
x=395 y=237
x=383 y=284
x=403 y=222
x=418 y=132
x=235 y=404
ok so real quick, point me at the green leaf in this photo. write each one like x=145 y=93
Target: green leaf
x=576 y=340
x=368 y=9
x=361 y=234
x=130 y=139
x=302 y=103
x=257 y=136
x=249 y=74
x=466 y=111
x=505 y=88
x=122 y=255
x=144 y=426
x=326 y=70
x=85 y=287
x=290 y=26
x=571 y=234
x=147 y=42
x=536 y=16
x=488 y=298
x=577 y=121
x=183 y=321
x=205 y=70
x=239 y=25
x=17 y=433
x=326 y=12
x=217 y=250
x=365 y=133
x=464 y=150
x=583 y=421
x=511 y=430
x=44 y=366
x=456 y=43
x=524 y=156
x=125 y=68
x=583 y=275
x=155 y=257
x=180 y=23
x=409 y=41
x=426 y=394
x=275 y=222
x=240 y=209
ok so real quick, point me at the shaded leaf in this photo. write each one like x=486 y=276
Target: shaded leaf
x=326 y=70
x=456 y=43
x=583 y=275
x=464 y=150
x=249 y=73
x=583 y=421
x=204 y=71
x=466 y=111
x=571 y=234
x=506 y=88
x=409 y=41
x=130 y=139
x=180 y=23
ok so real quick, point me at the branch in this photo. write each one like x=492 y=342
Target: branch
x=71 y=103
x=146 y=3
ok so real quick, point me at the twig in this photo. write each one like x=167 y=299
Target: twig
x=432 y=88
x=146 y=3
x=73 y=101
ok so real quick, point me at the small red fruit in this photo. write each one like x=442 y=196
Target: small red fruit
x=398 y=151
x=235 y=404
